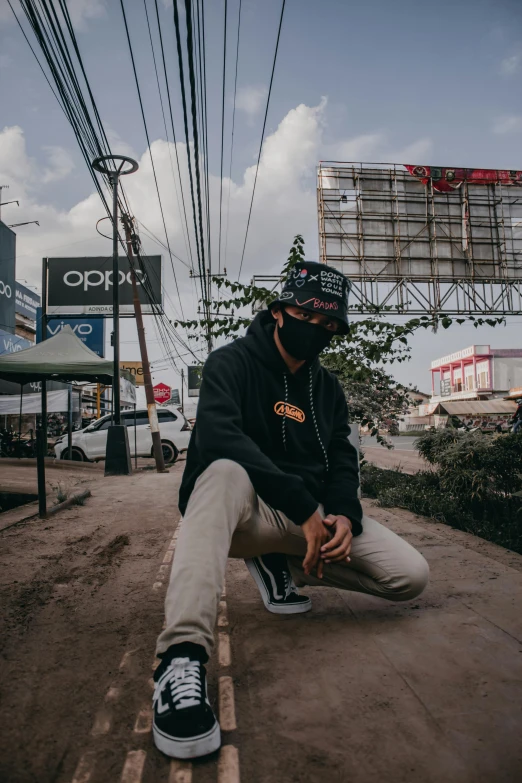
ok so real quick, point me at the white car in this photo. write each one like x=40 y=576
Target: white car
x=89 y=444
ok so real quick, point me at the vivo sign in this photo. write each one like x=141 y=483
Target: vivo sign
x=83 y=286
x=91 y=331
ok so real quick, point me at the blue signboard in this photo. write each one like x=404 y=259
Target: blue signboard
x=27 y=302
x=11 y=343
x=91 y=331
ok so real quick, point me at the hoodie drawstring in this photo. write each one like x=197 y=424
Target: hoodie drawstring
x=318 y=434
x=315 y=420
x=283 y=425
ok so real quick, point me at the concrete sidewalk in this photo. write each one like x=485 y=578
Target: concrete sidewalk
x=363 y=691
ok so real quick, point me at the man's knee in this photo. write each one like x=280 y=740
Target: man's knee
x=412 y=581
x=226 y=469
x=225 y=473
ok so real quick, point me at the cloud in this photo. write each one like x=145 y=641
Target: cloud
x=5 y=61
x=60 y=164
x=511 y=65
x=23 y=172
x=509 y=123
x=285 y=204
x=117 y=144
x=251 y=100
x=6 y=15
x=375 y=148
x=81 y=11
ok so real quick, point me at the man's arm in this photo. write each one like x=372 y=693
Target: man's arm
x=343 y=475
x=219 y=435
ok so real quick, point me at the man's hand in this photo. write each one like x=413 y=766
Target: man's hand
x=338 y=548
x=316 y=535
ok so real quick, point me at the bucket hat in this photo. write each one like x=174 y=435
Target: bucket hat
x=319 y=288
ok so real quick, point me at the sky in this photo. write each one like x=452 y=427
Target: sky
x=405 y=81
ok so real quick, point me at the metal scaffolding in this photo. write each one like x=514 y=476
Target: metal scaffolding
x=429 y=241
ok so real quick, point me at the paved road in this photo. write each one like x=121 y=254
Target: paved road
x=400 y=443
x=402 y=457
x=356 y=691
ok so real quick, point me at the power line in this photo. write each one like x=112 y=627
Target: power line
x=150 y=149
x=184 y=226
x=201 y=266
x=233 y=127
x=262 y=136
x=195 y=136
x=222 y=133
x=172 y=126
x=204 y=128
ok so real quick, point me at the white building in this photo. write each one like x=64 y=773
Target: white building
x=476 y=373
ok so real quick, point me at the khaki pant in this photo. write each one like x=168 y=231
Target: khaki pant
x=225 y=518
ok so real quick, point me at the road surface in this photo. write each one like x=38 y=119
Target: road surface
x=402 y=457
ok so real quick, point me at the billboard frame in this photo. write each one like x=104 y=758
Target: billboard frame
x=443 y=275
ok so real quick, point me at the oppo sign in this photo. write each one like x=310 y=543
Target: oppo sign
x=95 y=278
x=83 y=286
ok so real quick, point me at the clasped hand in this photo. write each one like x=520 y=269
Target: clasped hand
x=328 y=540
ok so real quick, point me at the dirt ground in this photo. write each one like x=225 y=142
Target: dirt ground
x=356 y=691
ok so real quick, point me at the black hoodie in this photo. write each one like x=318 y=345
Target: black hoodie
x=289 y=432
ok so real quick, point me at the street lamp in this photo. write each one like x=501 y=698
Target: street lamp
x=117 y=459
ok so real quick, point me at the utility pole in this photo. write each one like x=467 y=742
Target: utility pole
x=208 y=303
x=117 y=458
x=132 y=247
x=2 y=187
x=182 y=391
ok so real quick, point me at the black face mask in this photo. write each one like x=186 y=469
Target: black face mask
x=301 y=339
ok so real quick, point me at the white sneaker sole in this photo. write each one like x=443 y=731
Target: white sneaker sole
x=191 y=748
x=301 y=608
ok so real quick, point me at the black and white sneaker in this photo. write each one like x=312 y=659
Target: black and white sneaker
x=184 y=725
x=274 y=580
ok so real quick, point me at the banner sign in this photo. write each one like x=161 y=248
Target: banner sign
x=11 y=343
x=446 y=179
x=174 y=397
x=136 y=368
x=7 y=278
x=127 y=392
x=83 y=286
x=161 y=392
x=91 y=331
x=27 y=302
x=194 y=378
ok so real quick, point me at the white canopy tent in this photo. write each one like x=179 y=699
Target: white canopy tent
x=57 y=402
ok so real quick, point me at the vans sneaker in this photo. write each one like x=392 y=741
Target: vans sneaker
x=184 y=725
x=274 y=580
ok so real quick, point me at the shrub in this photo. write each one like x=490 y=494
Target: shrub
x=476 y=486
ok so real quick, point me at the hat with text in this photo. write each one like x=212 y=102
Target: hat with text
x=318 y=288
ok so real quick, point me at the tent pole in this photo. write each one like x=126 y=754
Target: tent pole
x=69 y=421
x=40 y=468
x=135 y=439
x=20 y=422
x=42 y=446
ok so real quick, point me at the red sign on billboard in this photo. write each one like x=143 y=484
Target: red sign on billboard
x=162 y=392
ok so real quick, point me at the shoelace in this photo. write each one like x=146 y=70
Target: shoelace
x=290 y=587
x=185 y=684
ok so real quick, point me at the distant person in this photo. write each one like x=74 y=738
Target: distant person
x=517 y=418
x=271 y=477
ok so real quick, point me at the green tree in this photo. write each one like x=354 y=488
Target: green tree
x=375 y=399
